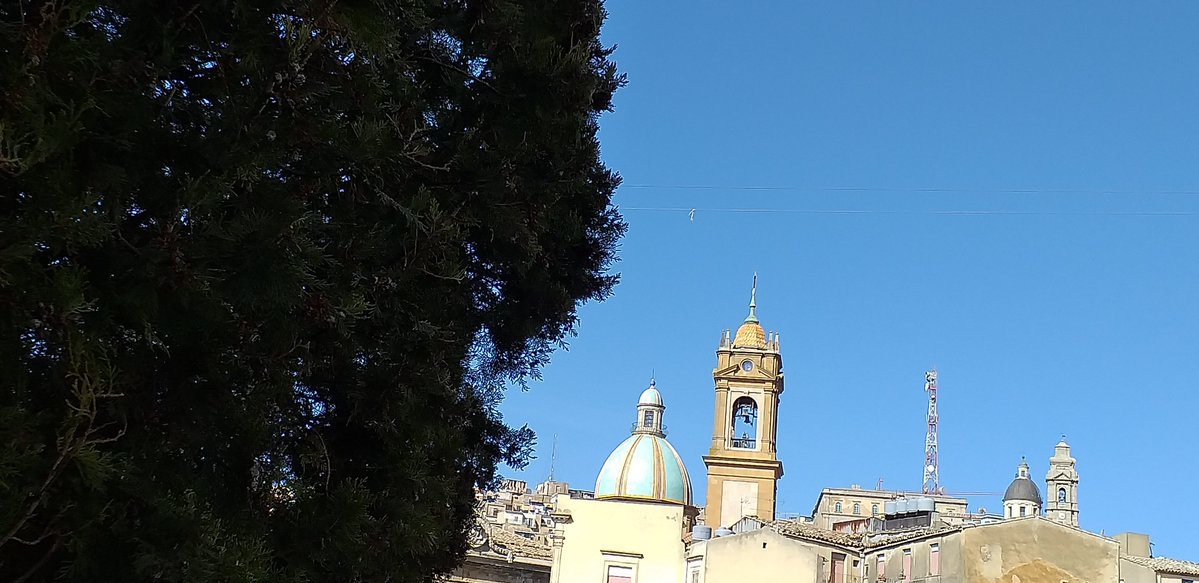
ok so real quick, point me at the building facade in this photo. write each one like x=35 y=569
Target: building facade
x=836 y=506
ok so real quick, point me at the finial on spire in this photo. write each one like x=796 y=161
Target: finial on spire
x=753 y=301
x=653 y=378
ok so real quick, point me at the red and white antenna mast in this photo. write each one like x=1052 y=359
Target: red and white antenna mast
x=932 y=464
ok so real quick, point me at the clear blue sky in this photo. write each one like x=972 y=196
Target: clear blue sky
x=1071 y=313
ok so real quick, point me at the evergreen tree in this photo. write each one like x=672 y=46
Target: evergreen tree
x=266 y=268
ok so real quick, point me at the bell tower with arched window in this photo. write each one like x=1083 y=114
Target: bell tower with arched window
x=743 y=465
x=1061 y=485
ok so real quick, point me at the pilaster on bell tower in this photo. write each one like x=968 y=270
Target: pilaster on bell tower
x=743 y=465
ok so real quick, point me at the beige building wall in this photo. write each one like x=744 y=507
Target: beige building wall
x=1131 y=572
x=949 y=568
x=761 y=556
x=1133 y=543
x=1033 y=550
x=643 y=536
x=1171 y=578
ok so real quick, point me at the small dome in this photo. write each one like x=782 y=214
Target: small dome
x=645 y=467
x=650 y=396
x=750 y=335
x=1023 y=489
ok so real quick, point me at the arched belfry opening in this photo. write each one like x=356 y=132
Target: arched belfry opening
x=744 y=424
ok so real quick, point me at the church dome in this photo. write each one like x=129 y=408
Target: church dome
x=645 y=466
x=1023 y=488
x=750 y=335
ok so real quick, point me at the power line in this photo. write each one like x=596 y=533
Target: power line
x=909 y=190
x=959 y=212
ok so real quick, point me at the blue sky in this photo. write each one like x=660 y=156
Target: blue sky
x=1067 y=306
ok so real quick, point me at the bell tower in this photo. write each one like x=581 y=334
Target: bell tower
x=743 y=466
x=1061 y=485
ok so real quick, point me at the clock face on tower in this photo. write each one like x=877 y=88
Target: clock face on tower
x=747 y=365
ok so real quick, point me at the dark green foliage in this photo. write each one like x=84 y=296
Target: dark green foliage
x=266 y=268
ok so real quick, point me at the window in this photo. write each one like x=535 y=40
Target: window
x=649 y=419
x=1023 y=510
x=881 y=565
x=874 y=509
x=857 y=507
x=837 y=507
x=905 y=569
x=934 y=560
x=618 y=574
x=1061 y=495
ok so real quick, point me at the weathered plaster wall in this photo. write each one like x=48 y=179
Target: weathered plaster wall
x=1131 y=572
x=487 y=570
x=1037 y=551
x=761 y=556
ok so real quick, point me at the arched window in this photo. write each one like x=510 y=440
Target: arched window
x=744 y=423
x=837 y=508
x=1061 y=495
x=857 y=507
x=874 y=509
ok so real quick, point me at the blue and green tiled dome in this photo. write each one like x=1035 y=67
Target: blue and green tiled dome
x=645 y=466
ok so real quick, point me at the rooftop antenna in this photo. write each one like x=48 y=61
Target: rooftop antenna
x=553 y=457
x=932 y=471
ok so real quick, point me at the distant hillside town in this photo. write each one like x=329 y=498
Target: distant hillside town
x=641 y=525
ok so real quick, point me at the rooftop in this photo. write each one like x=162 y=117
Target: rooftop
x=861 y=540
x=502 y=540
x=891 y=494
x=1164 y=565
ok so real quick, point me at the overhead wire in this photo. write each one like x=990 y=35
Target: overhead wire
x=964 y=212
x=692 y=211
x=877 y=189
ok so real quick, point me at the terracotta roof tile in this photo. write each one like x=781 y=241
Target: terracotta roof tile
x=867 y=540
x=1164 y=565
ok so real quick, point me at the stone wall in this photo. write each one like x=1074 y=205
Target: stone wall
x=494 y=570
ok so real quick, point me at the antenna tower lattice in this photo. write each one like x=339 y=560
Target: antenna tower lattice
x=932 y=470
